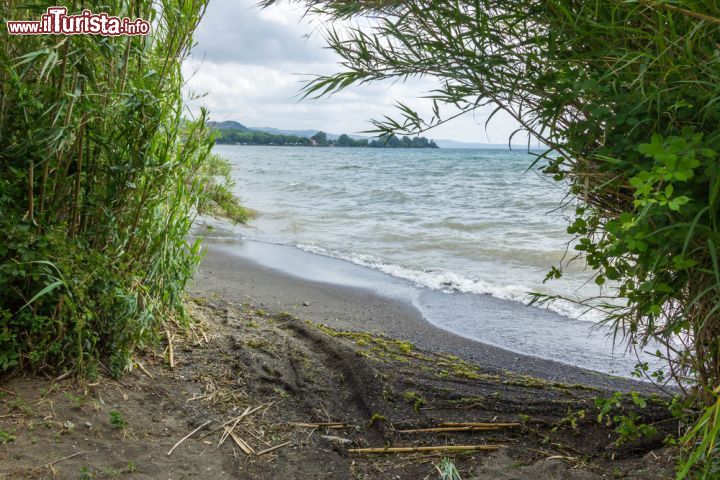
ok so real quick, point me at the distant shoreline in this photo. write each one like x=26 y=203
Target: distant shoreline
x=236 y=133
x=471 y=147
x=322 y=146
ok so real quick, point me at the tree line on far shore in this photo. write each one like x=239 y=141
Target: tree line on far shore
x=320 y=139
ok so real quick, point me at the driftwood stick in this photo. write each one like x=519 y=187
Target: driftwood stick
x=481 y=424
x=448 y=429
x=451 y=429
x=435 y=448
x=244 y=446
x=63 y=376
x=49 y=464
x=199 y=397
x=142 y=369
x=226 y=433
x=171 y=353
x=247 y=412
x=318 y=425
x=188 y=436
x=272 y=449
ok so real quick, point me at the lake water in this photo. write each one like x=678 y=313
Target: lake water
x=460 y=225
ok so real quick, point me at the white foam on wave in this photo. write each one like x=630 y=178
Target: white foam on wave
x=449 y=282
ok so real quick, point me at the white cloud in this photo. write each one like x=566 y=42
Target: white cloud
x=250 y=64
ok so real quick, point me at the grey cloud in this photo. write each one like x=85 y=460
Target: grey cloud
x=246 y=62
x=235 y=31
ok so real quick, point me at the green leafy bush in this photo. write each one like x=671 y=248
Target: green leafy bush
x=613 y=411
x=218 y=198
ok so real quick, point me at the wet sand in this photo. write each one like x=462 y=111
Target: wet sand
x=241 y=279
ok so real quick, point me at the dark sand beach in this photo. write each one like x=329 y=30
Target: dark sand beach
x=243 y=274
x=277 y=378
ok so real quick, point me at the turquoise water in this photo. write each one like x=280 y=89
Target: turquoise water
x=465 y=223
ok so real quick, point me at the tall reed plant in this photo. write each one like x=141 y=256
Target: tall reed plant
x=100 y=178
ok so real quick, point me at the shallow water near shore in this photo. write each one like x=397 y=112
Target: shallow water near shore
x=506 y=324
x=463 y=235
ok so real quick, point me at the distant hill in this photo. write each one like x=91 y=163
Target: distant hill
x=295 y=133
x=228 y=125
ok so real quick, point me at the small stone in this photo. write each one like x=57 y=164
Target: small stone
x=88 y=424
x=69 y=425
x=306 y=304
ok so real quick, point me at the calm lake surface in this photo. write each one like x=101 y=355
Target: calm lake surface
x=460 y=226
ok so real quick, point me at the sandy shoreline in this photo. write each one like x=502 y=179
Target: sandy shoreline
x=318 y=397
x=304 y=401
x=241 y=280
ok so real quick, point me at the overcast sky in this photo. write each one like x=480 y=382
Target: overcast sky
x=249 y=65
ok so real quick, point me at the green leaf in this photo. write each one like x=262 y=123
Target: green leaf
x=49 y=288
x=677 y=202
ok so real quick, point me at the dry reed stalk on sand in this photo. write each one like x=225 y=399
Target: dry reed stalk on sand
x=50 y=464
x=434 y=448
x=462 y=427
x=171 y=355
x=188 y=436
x=248 y=411
x=480 y=424
x=244 y=446
x=272 y=449
x=450 y=429
x=318 y=425
x=144 y=370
